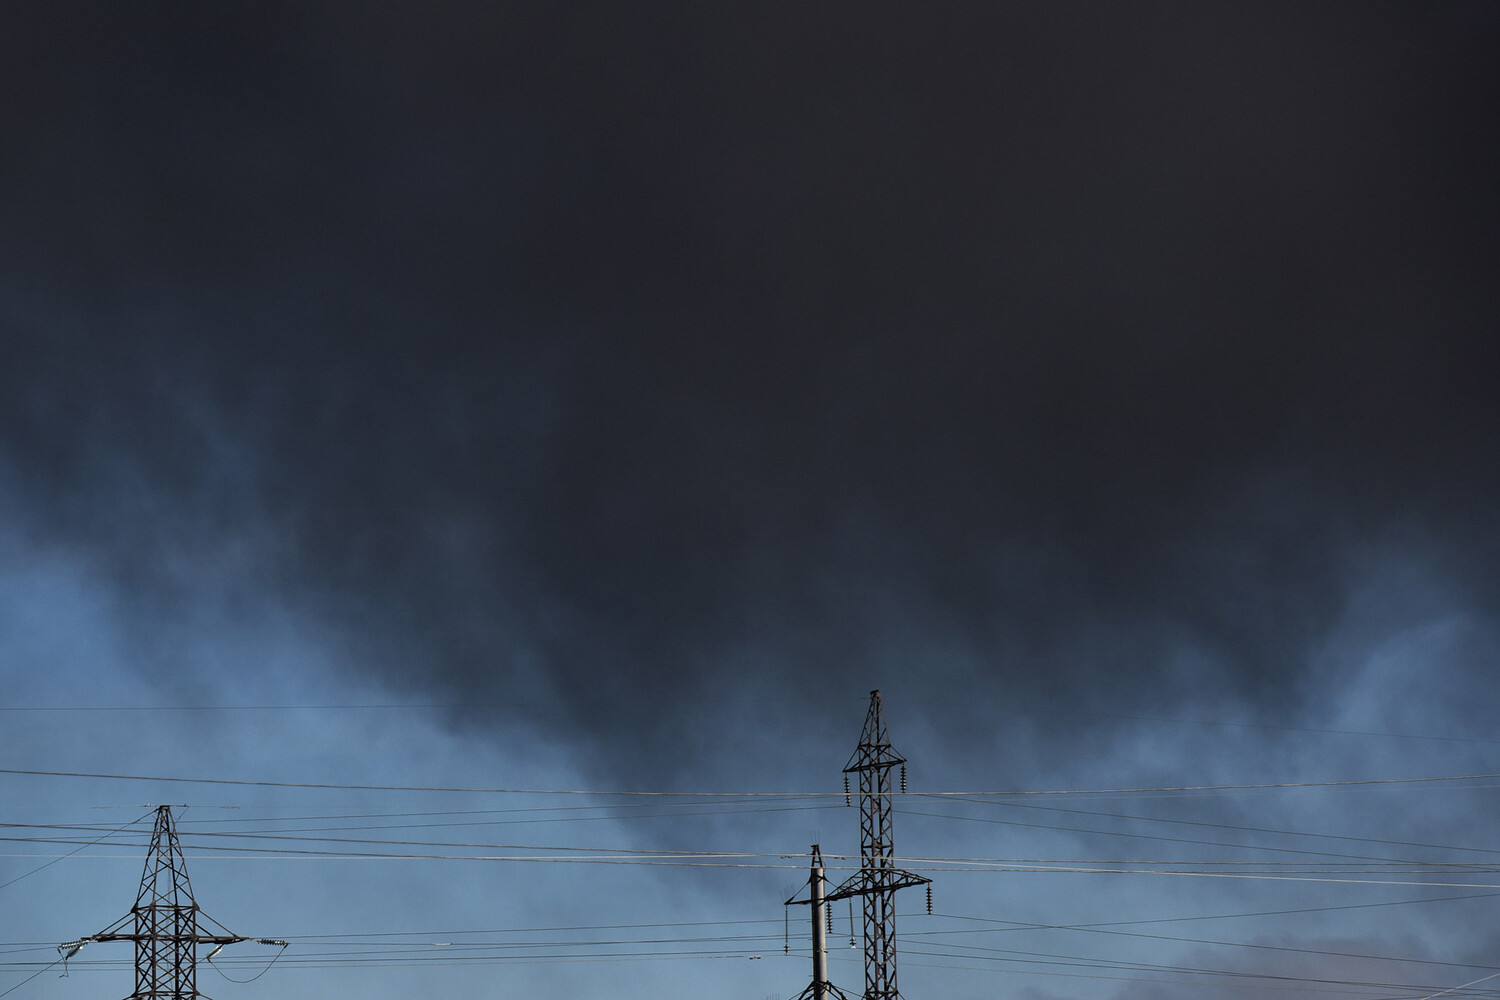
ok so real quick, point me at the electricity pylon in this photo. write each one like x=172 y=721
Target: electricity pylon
x=878 y=877
x=820 y=988
x=166 y=923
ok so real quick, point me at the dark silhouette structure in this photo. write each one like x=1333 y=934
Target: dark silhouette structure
x=165 y=923
x=878 y=878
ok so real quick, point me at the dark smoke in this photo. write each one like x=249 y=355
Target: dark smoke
x=606 y=371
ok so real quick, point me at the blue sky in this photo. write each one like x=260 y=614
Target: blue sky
x=1150 y=884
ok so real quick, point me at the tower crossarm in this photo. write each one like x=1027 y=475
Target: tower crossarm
x=868 y=881
x=824 y=988
x=194 y=938
x=874 y=751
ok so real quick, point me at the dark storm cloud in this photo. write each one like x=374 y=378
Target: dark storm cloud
x=621 y=360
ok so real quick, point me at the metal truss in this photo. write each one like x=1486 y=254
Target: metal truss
x=165 y=924
x=878 y=878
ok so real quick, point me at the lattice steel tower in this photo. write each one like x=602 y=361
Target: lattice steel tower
x=878 y=877
x=166 y=920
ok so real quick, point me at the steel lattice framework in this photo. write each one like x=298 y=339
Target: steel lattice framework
x=166 y=923
x=878 y=877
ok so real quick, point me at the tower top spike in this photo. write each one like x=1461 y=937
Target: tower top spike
x=874 y=751
x=164 y=881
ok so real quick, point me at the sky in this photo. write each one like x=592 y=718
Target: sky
x=474 y=462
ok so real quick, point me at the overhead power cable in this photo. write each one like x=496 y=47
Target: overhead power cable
x=376 y=938
x=1009 y=961
x=1262 y=786
x=1013 y=925
x=50 y=965
x=82 y=847
x=1182 y=974
x=1240 y=828
x=416 y=788
x=1349 y=864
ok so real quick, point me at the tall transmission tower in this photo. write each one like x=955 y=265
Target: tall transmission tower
x=166 y=923
x=820 y=988
x=878 y=877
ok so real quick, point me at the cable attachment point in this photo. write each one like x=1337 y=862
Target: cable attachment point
x=67 y=951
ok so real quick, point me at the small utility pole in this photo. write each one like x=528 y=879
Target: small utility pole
x=820 y=988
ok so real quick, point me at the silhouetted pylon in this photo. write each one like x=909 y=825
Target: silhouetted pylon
x=166 y=921
x=878 y=877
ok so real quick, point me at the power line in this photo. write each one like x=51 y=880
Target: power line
x=979 y=953
x=1283 y=729
x=416 y=788
x=1269 y=848
x=50 y=965
x=55 y=860
x=378 y=938
x=1261 y=786
x=565 y=852
x=1012 y=925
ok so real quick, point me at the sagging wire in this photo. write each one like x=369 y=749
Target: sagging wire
x=283 y=945
x=73 y=947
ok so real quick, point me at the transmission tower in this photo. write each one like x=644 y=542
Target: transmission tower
x=166 y=921
x=878 y=877
x=820 y=988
